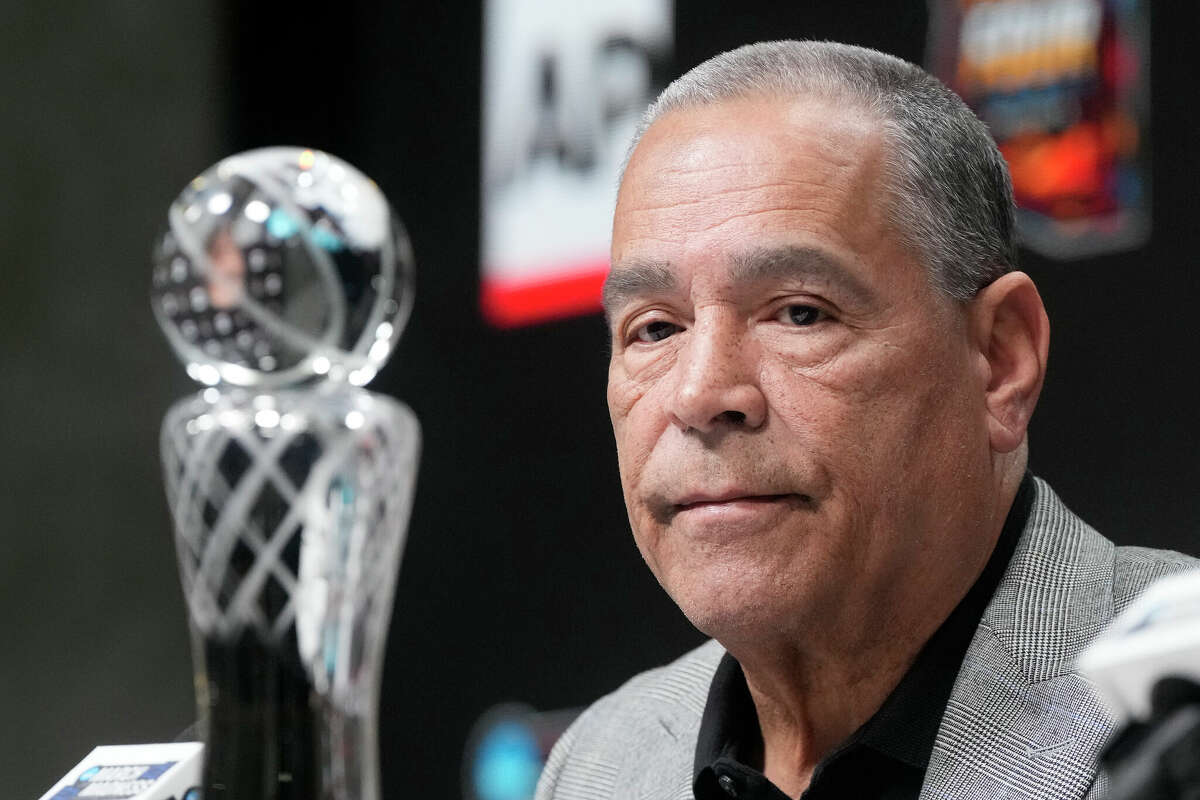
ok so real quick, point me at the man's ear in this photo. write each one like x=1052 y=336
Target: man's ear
x=1011 y=330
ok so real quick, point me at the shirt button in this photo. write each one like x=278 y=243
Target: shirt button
x=728 y=785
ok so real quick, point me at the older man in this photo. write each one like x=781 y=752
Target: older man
x=823 y=369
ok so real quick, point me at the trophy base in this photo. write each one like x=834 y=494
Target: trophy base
x=263 y=724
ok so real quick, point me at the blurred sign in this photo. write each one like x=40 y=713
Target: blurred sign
x=1063 y=86
x=508 y=748
x=564 y=85
x=134 y=772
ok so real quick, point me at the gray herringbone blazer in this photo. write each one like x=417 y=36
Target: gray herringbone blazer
x=1020 y=722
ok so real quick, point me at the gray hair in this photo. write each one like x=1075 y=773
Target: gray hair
x=951 y=195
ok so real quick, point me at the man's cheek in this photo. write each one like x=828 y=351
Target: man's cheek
x=631 y=463
x=623 y=395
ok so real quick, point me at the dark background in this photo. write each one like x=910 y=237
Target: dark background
x=519 y=581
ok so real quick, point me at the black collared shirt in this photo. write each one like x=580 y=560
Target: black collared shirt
x=887 y=756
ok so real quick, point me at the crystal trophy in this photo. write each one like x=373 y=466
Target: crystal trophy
x=282 y=282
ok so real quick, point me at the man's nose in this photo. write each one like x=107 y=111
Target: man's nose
x=717 y=380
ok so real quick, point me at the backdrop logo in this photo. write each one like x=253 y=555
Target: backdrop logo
x=563 y=87
x=1062 y=86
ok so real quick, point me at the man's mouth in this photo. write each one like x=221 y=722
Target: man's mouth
x=718 y=502
x=700 y=501
x=733 y=502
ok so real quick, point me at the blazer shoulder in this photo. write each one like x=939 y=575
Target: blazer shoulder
x=678 y=690
x=645 y=730
x=1064 y=585
x=1056 y=593
x=1135 y=568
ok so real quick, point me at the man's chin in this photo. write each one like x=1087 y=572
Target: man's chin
x=733 y=615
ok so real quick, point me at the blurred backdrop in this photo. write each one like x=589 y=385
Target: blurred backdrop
x=519 y=581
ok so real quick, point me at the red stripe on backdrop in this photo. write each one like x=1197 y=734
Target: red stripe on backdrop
x=511 y=304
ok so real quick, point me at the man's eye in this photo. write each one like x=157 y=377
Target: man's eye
x=655 y=331
x=800 y=315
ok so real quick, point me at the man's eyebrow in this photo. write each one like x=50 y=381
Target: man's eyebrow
x=793 y=262
x=635 y=278
x=638 y=277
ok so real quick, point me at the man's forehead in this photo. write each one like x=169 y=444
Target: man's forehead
x=805 y=116
x=748 y=190
x=695 y=168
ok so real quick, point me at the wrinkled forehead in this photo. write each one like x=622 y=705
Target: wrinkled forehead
x=775 y=112
x=708 y=153
x=760 y=192
x=698 y=169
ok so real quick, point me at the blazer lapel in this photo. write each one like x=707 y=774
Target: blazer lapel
x=1020 y=722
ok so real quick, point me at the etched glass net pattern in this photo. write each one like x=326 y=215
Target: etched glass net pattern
x=303 y=513
x=290 y=511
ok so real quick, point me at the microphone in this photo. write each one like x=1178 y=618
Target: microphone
x=1147 y=669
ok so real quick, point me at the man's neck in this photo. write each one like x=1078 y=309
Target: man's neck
x=809 y=699
x=802 y=721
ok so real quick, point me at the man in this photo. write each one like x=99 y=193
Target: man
x=823 y=368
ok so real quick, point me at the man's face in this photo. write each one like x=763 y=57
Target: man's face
x=799 y=415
